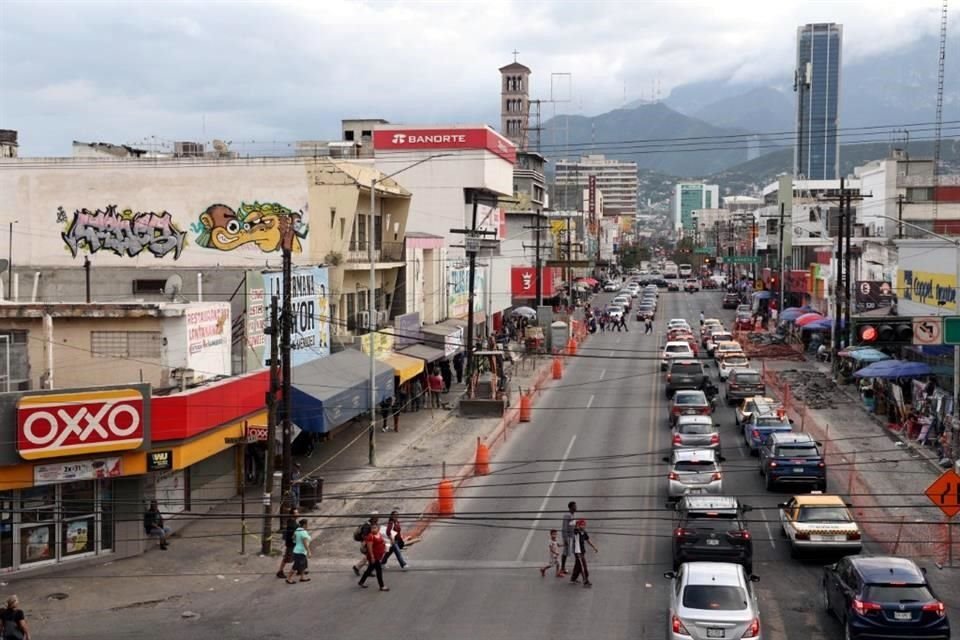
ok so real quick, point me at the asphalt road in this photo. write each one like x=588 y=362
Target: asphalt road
x=597 y=437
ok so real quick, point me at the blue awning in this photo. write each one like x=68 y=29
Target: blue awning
x=330 y=391
x=762 y=295
x=894 y=369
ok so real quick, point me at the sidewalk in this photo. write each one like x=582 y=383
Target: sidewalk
x=884 y=476
x=206 y=556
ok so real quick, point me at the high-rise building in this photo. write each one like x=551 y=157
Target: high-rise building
x=515 y=103
x=689 y=197
x=816 y=151
x=616 y=179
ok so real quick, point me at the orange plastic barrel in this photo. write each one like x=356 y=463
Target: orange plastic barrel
x=482 y=465
x=557 y=369
x=445 y=498
x=572 y=346
x=526 y=407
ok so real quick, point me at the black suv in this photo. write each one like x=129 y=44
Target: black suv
x=684 y=373
x=731 y=300
x=711 y=528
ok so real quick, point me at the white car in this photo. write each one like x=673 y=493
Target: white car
x=615 y=311
x=678 y=323
x=712 y=600
x=723 y=348
x=730 y=362
x=624 y=301
x=716 y=337
x=676 y=349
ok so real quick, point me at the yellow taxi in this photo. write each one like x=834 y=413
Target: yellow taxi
x=821 y=523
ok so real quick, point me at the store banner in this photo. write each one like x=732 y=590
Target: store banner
x=76 y=470
x=382 y=342
x=407 y=329
x=160 y=460
x=931 y=289
x=523 y=282
x=459 y=295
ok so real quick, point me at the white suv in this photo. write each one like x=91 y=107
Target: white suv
x=675 y=349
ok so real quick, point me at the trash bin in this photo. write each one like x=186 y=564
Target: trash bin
x=311 y=493
x=558 y=336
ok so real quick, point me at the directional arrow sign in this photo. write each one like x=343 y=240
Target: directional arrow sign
x=927 y=330
x=945 y=493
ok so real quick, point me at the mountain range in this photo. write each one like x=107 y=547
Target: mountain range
x=705 y=128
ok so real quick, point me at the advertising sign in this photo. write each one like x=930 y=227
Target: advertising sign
x=159 y=460
x=931 y=289
x=871 y=294
x=382 y=342
x=592 y=198
x=458 y=297
x=208 y=340
x=71 y=424
x=398 y=139
x=490 y=219
x=406 y=329
x=76 y=470
x=311 y=314
x=523 y=282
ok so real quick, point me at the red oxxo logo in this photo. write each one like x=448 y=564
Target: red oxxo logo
x=49 y=426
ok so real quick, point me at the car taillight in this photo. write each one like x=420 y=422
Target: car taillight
x=739 y=534
x=677 y=439
x=716 y=476
x=705 y=410
x=821 y=465
x=853 y=536
x=864 y=608
x=753 y=630
x=669 y=377
x=678 y=626
x=672 y=476
x=772 y=464
x=935 y=607
x=733 y=385
x=680 y=532
x=715 y=438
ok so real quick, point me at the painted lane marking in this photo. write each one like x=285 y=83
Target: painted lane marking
x=546 y=499
x=590 y=402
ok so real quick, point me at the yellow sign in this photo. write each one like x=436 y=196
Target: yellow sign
x=382 y=342
x=931 y=289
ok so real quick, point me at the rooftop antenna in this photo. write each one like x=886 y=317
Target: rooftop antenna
x=939 y=126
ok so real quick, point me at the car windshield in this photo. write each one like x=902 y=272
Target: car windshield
x=736 y=361
x=696 y=428
x=686 y=369
x=690 y=399
x=798 y=451
x=678 y=348
x=824 y=514
x=694 y=465
x=772 y=422
x=748 y=378
x=898 y=593
x=714 y=597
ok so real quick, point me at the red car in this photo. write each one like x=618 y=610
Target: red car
x=744 y=321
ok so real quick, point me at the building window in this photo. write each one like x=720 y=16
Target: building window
x=125 y=344
x=148 y=286
x=771 y=227
x=348 y=136
x=333 y=216
x=919 y=194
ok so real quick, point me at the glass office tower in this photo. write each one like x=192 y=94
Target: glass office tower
x=816 y=152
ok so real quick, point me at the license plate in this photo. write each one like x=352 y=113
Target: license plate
x=713 y=632
x=902 y=615
x=815 y=538
x=798 y=470
x=713 y=542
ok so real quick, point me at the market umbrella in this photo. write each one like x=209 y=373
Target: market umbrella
x=822 y=324
x=526 y=312
x=894 y=369
x=807 y=318
x=868 y=355
x=762 y=295
x=792 y=313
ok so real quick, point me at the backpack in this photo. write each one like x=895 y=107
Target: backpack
x=361 y=532
x=288 y=537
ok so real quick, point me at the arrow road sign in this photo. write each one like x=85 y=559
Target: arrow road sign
x=945 y=493
x=927 y=330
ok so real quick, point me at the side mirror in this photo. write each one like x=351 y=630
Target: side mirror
x=754 y=578
x=819 y=444
x=669 y=575
x=791 y=420
x=723 y=458
x=746 y=508
x=923 y=570
x=666 y=458
x=781 y=505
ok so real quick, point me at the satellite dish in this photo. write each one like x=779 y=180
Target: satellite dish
x=172 y=287
x=220 y=146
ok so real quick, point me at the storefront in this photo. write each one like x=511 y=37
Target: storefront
x=445 y=334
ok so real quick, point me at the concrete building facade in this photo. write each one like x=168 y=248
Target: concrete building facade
x=689 y=197
x=617 y=180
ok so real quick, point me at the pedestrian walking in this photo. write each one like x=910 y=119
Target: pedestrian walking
x=553 y=555
x=446 y=375
x=435 y=382
x=360 y=535
x=417 y=394
x=301 y=551
x=702 y=317
x=396 y=541
x=375 y=547
x=458 y=366
x=623 y=323
x=566 y=532
x=580 y=541
x=603 y=323
x=385 y=406
x=13 y=622
x=648 y=326
x=288 y=542
x=296 y=479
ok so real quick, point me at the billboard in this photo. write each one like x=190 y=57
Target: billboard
x=444 y=138
x=523 y=282
x=459 y=286
x=873 y=294
x=310 y=303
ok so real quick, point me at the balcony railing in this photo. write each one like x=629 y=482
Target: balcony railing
x=382 y=252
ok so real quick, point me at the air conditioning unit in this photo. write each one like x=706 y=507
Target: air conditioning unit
x=363 y=319
x=382 y=318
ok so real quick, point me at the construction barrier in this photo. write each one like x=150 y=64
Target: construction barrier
x=445 y=498
x=482 y=465
x=557 y=368
x=571 y=347
x=526 y=407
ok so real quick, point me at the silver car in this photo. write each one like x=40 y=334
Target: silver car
x=712 y=600
x=693 y=471
x=696 y=432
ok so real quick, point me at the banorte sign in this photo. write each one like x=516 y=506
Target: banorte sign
x=444 y=139
x=71 y=424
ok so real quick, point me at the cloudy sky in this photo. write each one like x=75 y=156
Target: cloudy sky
x=291 y=69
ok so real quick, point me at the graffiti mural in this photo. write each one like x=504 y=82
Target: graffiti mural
x=124 y=233
x=260 y=224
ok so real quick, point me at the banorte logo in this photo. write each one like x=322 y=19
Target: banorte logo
x=50 y=426
x=399 y=138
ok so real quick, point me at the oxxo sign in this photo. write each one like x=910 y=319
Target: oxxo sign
x=71 y=424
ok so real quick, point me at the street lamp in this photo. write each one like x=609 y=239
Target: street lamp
x=956 y=300
x=371 y=299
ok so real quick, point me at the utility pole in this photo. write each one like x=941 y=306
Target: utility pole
x=900 y=216
x=372 y=327
x=838 y=280
x=538 y=262
x=286 y=322
x=846 y=269
x=271 y=428
x=783 y=261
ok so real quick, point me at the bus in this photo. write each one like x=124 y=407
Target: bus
x=686 y=270
x=670 y=270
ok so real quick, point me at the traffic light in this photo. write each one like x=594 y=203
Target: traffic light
x=882 y=331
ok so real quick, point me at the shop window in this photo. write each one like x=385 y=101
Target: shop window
x=38 y=511
x=143 y=286
x=125 y=344
x=106 y=515
x=6 y=529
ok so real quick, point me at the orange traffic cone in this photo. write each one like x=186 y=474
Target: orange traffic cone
x=526 y=407
x=482 y=466
x=572 y=347
x=445 y=498
x=557 y=368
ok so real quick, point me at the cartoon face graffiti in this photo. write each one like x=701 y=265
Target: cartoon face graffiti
x=259 y=224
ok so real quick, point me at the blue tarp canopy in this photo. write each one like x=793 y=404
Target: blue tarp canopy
x=330 y=391
x=823 y=324
x=792 y=313
x=868 y=354
x=894 y=369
